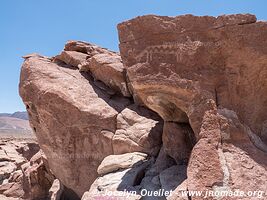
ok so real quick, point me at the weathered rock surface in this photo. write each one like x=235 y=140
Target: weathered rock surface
x=137 y=130
x=37 y=177
x=73 y=58
x=116 y=162
x=85 y=47
x=13 y=187
x=77 y=119
x=204 y=76
x=24 y=174
x=185 y=68
x=6 y=168
x=137 y=174
x=104 y=65
x=170 y=60
x=69 y=115
x=120 y=173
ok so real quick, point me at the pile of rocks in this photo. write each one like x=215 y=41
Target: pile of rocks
x=24 y=173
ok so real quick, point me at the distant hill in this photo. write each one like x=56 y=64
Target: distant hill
x=5 y=114
x=14 y=123
x=19 y=115
x=17 y=123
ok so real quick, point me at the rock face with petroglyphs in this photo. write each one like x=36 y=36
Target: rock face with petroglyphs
x=211 y=74
x=181 y=108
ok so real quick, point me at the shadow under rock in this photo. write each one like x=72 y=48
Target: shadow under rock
x=69 y=194
x=141 y=180
x=112 y=98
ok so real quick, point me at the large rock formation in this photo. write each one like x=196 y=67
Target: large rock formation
x=205 y=77
x=188 y=69
x=175 y=65
x=79 y=118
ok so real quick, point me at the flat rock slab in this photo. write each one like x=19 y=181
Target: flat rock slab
x=117 y=162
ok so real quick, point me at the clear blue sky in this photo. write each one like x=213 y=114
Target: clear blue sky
x=28 y=26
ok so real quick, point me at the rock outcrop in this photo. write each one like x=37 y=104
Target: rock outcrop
x=183 y=109
x=188 y=69
x=37 y=178
x=24 y=170
x=99 y=62
x=175 y=65
x=78 y=119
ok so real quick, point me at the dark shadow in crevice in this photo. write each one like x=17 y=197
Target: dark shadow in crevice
x=107 y=94
x=29 y=152
x=134 y=176
x=190 y=138
x=170 y=176
x=60 y=63
x=69 y=194
x=179 y=140
x=102 y=90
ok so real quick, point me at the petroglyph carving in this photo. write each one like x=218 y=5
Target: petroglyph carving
x=170 y=52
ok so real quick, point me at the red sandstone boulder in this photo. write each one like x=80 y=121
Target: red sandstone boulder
x=75 y=117
x=185 y=68
x=104 y=65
